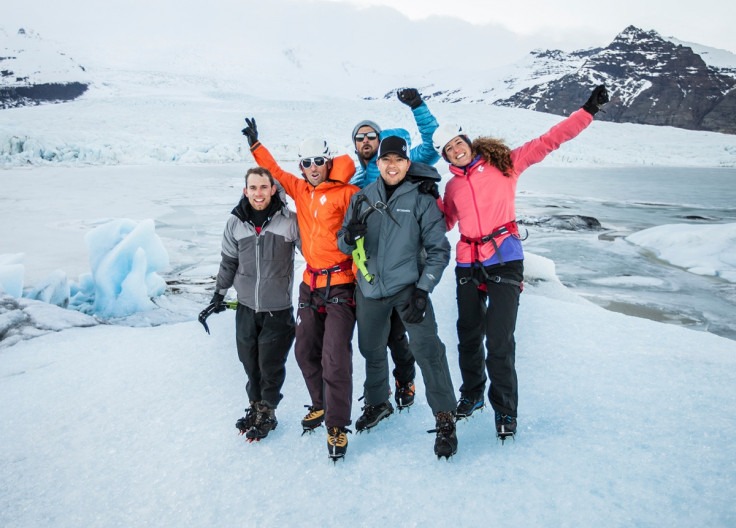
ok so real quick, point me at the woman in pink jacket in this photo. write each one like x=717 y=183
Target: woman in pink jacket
x=480 y=198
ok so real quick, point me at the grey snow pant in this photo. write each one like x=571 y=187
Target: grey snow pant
x=264 y=340
x=374 y=317
x=398 y=344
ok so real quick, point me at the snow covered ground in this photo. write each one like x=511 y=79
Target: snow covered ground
x=623 y=421
x=705 y=250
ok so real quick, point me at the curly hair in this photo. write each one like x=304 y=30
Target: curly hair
x=495 y=152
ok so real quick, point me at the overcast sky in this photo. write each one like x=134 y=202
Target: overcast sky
x=707 y=22
x=419 y=34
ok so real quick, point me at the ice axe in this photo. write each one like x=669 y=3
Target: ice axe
x=213 y=308
x=359 y=256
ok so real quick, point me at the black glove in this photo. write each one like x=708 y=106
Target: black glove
x=354 y=230
x=410 y=96
x=251 y=131
x=598 y=98
x=217 y=303
x=413 y=310
x=429 y=187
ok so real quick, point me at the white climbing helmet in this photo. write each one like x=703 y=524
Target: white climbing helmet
x=444 y=134
x=314 y=148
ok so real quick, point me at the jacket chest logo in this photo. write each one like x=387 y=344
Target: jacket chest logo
x=323 y=199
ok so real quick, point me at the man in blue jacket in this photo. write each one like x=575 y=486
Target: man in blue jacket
x=366 y=137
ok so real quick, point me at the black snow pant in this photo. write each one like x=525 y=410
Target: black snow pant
x=264 y=340
x=374 y=316
x=491 y=315
x=324 y=350
x=398 y=344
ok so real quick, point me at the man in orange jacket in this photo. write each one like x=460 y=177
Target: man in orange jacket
x=326 y=314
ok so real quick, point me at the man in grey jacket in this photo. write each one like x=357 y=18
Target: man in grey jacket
x=258 y=259
x=404 y=240
x=366 y=137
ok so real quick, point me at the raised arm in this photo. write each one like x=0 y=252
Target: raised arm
x=264 y=159
x=536 y=150
x=426 y=123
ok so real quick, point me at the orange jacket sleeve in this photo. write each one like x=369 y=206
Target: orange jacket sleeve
x=288 y=181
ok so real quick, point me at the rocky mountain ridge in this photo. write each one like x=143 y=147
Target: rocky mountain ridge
x=652 y=81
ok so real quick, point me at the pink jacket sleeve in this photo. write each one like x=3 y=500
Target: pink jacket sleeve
x=448 y=208
x=536 y=150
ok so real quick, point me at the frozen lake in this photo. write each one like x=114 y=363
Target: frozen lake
x=606 y=269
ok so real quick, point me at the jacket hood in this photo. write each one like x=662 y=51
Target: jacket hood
x=244 y=210
x=400 y=132
x=422 y=171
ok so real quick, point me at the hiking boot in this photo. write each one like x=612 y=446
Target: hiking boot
x=313 y=419
x=247 y=421
x=372 y=414
x=404 y=394
x=466 y=406
x=445 y=445
x=265 y=422
x=337 y=442
x=505 y=426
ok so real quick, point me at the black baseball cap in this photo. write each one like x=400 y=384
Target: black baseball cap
x=393 y=145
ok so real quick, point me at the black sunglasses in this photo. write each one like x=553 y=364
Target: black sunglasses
x=318 y=162
x=370 y=135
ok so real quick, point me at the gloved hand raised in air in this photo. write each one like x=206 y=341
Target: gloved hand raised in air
x=251 y=131
x=354 y=230
x=217 y=303
x=413 y=310
x=410 y=96
x=598 y=98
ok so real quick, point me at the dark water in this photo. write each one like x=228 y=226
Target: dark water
x=606 y=269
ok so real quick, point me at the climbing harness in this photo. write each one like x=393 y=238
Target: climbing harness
x=508 y=228
x=316 y=272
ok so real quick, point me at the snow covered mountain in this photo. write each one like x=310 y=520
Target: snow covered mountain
x=32 y=71
x=652 y=81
